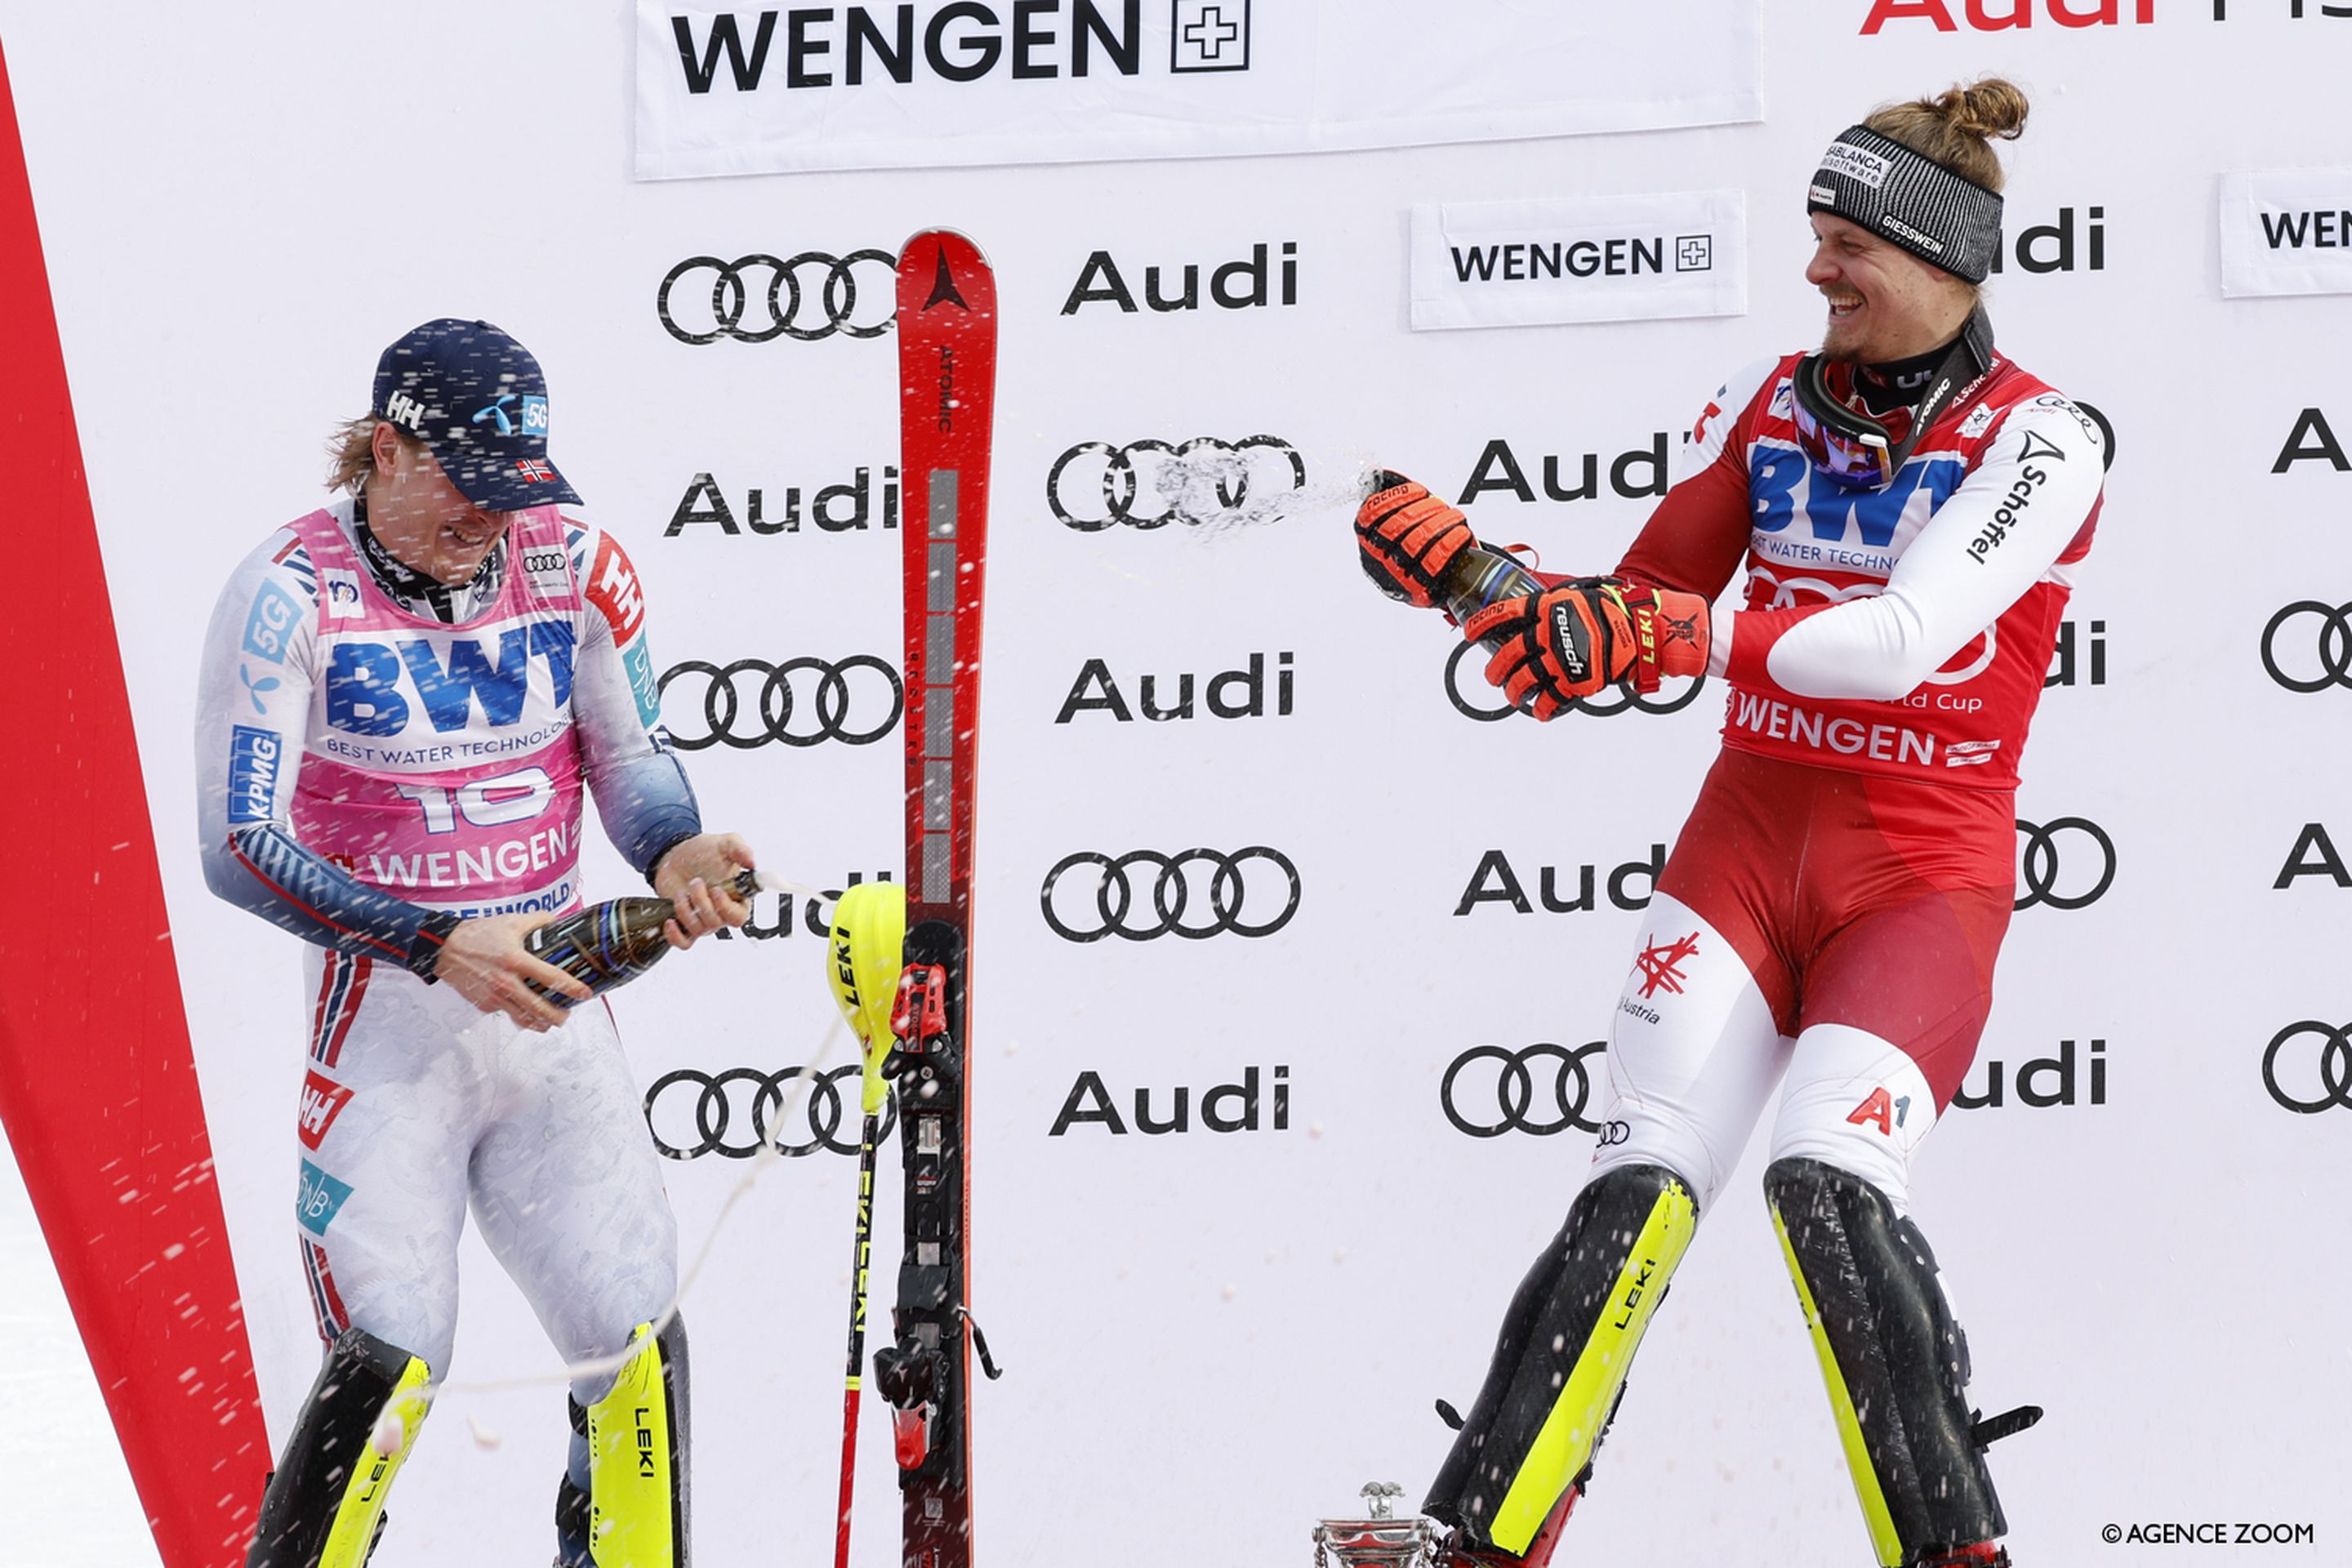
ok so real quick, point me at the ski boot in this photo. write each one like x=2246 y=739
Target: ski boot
x=1454 y=1552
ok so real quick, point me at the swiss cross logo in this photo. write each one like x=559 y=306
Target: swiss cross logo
x=1209 y=36
x=322 y=1100
x=612 y=588
x=1661 y=964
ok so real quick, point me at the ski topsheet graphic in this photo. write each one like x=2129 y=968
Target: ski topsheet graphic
x=947 y=376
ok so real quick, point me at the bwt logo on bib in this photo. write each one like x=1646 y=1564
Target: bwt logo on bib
x=370 y=684
x=834 y=48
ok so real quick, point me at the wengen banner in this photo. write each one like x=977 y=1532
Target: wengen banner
x=1057 y=81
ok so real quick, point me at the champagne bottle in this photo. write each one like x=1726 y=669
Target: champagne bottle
x=609 y=944
x=1478 y=578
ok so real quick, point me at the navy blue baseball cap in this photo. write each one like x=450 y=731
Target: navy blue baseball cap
x=477 y=399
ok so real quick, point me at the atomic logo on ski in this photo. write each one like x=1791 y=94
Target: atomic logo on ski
x=943 y=285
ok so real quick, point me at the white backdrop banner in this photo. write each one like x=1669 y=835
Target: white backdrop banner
x=2288 y=232
x=1602 y=259
x=1431 y=903
x=1042 y=81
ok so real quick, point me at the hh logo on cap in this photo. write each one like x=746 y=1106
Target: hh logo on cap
x=401 y=409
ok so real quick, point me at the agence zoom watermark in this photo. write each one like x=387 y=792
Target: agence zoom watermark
x=2180 y=1532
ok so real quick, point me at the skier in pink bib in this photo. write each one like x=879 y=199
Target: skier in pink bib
x=406 y=697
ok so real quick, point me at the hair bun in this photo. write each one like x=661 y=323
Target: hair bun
x=1985 y=108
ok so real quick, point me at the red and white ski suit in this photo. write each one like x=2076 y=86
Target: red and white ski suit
x=1831 y=911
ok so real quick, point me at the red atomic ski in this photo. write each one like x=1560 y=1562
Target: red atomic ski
x=947 y=379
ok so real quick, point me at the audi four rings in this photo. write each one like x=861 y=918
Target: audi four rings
x=1497 y=706
x=2334 y=646
x=1510 y=1103
x=2037 y=846
x=1171 y=483
x=2335 y=1064
x=718 y=1103
x=1239 y=901
x=744 y=718
x=736 y=285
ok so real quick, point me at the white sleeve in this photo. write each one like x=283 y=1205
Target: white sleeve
x=1996 y=536
x=253 y=706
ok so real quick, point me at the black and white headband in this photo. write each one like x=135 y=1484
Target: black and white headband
x=1909 y=200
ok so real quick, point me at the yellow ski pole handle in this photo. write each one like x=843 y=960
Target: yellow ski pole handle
x=869 y=933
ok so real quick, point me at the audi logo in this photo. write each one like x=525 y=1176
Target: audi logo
x=736 y=285
x=1493 y=705
x=717 y=1107
x=744 y=716
x=1485 y=1108
x=2037 y=862
x=2333 y=645
x=1186 y=882
x=1149 y=484
x=2335 y=1067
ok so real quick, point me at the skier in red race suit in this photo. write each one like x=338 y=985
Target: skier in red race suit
x=1911 y=507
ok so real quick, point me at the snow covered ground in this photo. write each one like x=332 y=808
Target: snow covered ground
x=64 y=1492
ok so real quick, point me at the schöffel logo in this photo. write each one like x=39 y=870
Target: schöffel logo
x=1473 y=698
x=1586 y=259
x=2307 y=1067
x=2041 y=1082
x=1224 y=1107
x=2088 y=866
x=801 y=702
x=1151 y=483
x=1193 y=894
x=834 y=509
x=759 y=298
x=1540 y=1090
x=835 y=50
